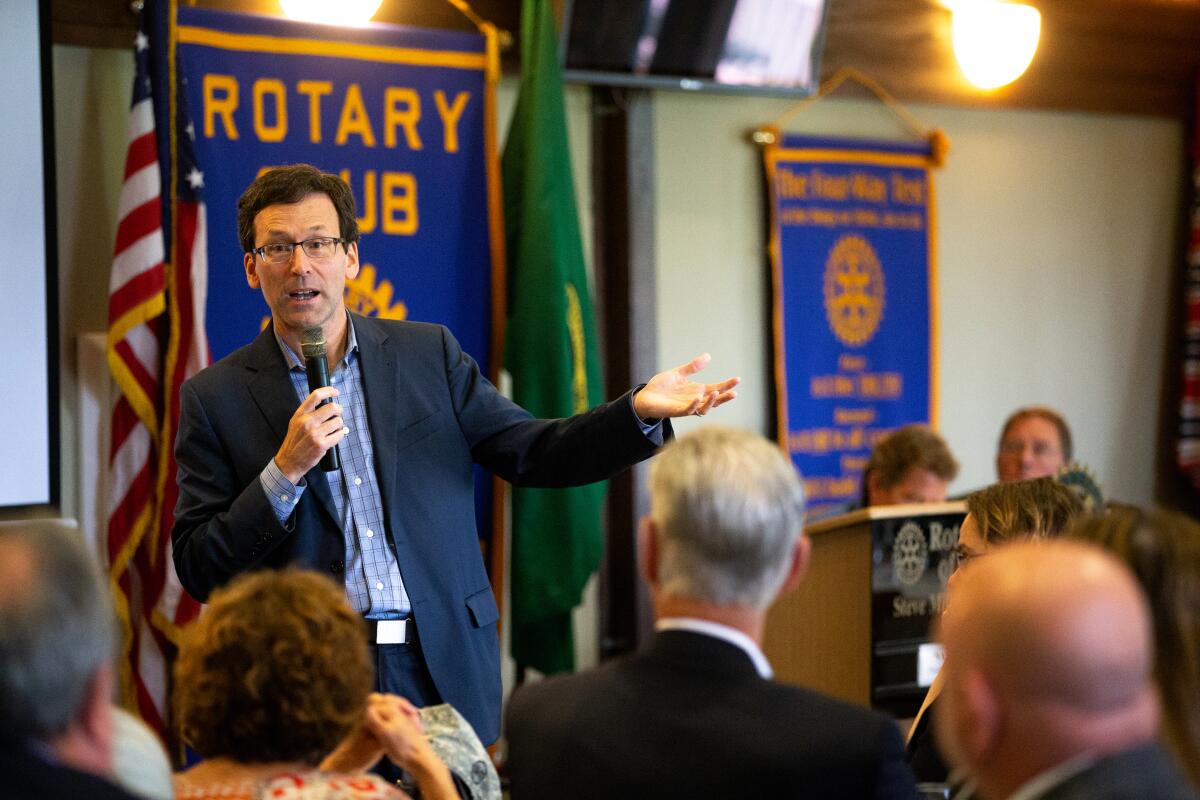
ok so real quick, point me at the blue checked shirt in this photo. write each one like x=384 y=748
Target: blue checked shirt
x=373 y=583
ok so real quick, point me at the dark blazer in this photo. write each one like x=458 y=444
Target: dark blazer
x=921 y=752
x=690 y=717
x=1143 y=773
x=24 y=776
x=431 y=415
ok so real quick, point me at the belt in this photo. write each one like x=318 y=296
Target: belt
x=391 y=631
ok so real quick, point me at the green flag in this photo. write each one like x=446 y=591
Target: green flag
x=551 y=351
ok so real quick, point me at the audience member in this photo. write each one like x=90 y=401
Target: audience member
x=1163 y=550
x=56 y=676
x=1035 y=509
x=1003 y=512
x=274 y=676
x=1034 y=443
x=456 y=743
x=910 y=465
x=696 y=714
x=1048 y=691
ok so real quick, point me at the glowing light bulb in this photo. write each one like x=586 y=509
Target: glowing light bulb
x=994 y=41
x=331 y=12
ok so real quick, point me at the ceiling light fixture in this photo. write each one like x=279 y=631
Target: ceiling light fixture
x=994 y=41
x=331 y=12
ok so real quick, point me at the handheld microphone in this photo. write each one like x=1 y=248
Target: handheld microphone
x=312 y=344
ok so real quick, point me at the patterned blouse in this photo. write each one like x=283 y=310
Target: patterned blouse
x=292 y=785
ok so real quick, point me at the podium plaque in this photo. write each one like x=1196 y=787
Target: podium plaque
x=858 y=627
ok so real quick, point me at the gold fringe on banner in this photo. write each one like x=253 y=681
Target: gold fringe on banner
x=503 y=38
x=939 y=143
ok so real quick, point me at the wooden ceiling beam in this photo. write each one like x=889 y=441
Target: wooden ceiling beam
x=1115 y=56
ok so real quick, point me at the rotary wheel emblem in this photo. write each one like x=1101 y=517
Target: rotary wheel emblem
x=910 y=554
x=853 y=290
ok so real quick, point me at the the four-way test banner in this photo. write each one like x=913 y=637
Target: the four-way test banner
x=854 y=317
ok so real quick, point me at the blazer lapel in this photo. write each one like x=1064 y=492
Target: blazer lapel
x=377 y=362
x=273 y=393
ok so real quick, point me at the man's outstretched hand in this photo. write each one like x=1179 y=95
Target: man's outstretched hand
x=674 y=394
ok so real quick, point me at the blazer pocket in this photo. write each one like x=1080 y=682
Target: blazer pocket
x=482 y=606
x=421 y=429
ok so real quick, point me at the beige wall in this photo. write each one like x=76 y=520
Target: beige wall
x=1057 y=237
x=92 y=90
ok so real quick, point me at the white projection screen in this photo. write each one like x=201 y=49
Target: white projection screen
x=28 y=273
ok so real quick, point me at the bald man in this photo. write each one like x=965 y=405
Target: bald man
x=1048 y=693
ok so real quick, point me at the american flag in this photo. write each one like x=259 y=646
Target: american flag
x=155 y=341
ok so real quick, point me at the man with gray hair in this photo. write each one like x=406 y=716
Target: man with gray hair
x=56 y=677
x=696 y=714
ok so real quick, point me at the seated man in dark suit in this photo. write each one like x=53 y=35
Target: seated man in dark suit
x=1048 y=691
x=696 y=714
x=56 y=679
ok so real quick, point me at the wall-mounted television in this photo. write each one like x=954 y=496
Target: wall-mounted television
x=752 y=46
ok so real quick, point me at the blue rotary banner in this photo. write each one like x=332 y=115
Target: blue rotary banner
x=853 y=267
x=404 y=115
x=400 y=113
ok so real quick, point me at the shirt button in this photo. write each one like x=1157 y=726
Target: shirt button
x=284 y=498
x=379 y=586
x=358 y=481
x=370 y=533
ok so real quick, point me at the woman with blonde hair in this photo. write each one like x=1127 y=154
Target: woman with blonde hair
x=1003 y=512
x=275 y=677
x=1163 y=549
x=1035 y=509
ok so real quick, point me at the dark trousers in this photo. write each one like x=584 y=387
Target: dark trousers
x=400 y=669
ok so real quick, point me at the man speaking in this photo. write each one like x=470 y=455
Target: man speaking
x=408 y=413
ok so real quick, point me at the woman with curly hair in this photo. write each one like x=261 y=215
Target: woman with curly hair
x=1163 y=550
x=273 y=690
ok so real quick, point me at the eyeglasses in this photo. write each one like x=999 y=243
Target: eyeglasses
x=1016 y=447
x=319 y=248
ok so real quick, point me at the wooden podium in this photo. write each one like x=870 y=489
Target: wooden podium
x=858 y=626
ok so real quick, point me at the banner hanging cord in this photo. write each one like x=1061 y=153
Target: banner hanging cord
x=939 y=142
x=504 y=37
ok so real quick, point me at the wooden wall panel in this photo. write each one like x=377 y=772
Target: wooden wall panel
x=111 y=23
x=1124 y=56
x=93 y=23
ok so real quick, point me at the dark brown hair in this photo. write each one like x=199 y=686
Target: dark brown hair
x=1163 y=549
x=276 y=669
x=913 y=446
x=1048 y=414
x=1034 y=509
x=291 y=184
